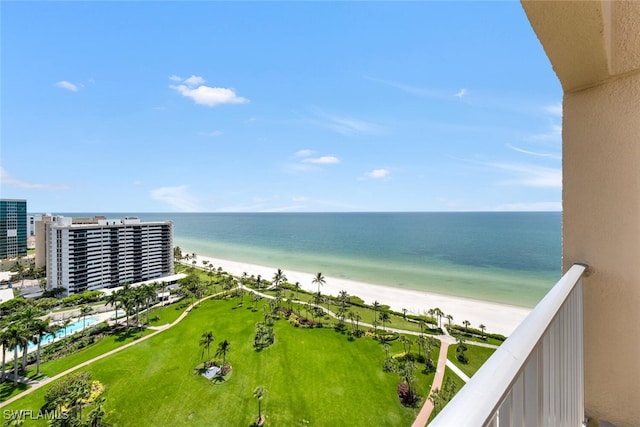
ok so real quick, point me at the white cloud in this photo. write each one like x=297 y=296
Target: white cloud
x=194 y=81
x=323 y=160
x=534 y=153
x=347 y=126
x=462 y=92
x=175 y=78
x=442 y=94
x=193 y=88
x=176 y=197
x=63 y=84
x=378 y=173
x=554 y=134
x=532 y=175
x=9 y=180
x=304 y=153
x=554 y=109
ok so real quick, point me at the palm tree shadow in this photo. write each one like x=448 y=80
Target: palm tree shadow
x=218 y=379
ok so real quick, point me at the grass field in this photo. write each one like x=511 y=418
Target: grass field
x=475 y=354
x=313 y=377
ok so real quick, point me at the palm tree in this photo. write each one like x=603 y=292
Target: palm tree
x=149 y=293
x=421 y=342
x=406 y=373
x=450 y=319
x=139 y=299
x=18 y=337
x=4 y=342
x=466 y=324
x=279 y=278
x=461 y=348
x=343 y=297
x=406 y=344
x=386 y=347
x=66 y=322
x=439 y=314
x=126 y=300
x=177 y=253
x=113 y=300
x=384 y=318
x=223 y=349
x=317 y=299
x=40 y=328
x=291 y=297
x=404 y=313
x=422 y=325
x=376 y=305
x=205 y=342
x=297 y=285
x=482 y=328
x=258 y=393
x=356 y=317
x=318 y=280
x=84 y=310
x=28 y=317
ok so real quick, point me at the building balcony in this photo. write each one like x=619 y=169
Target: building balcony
x=536 y=378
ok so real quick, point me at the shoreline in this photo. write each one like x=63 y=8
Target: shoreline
x=497 y=317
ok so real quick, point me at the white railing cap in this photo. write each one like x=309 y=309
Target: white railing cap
x=477 y=401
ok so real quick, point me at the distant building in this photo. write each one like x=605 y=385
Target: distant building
x=13 y=228
x=31 y=224
x=84 y=254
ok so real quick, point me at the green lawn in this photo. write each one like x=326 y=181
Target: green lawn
x=162 y=315
x=476 y=355
x=7 y=390
x=448 y=373
x=106 y=344
x=54 y=367
x=315 y=376
x=367 y=315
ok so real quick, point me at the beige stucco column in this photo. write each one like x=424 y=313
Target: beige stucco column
x=594 y=48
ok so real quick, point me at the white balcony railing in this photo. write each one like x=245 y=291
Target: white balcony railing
x=536 y=377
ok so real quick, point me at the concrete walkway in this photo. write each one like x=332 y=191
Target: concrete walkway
x=427 y=408
x=457 y=371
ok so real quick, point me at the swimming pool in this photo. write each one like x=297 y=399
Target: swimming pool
x=69 y=329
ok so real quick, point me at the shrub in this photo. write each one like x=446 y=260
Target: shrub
x=389 y=365
x=406 y=396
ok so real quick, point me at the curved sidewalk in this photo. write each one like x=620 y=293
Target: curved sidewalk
x=102 y=356
x=427 y=408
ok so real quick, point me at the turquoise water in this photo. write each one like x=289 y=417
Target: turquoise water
x=69 y=329
x=509 y=257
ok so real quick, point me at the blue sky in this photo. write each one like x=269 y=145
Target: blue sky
x=268 y=107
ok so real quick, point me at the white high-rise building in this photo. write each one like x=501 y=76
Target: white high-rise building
x=83 y=255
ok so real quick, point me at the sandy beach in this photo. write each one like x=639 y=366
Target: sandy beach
x=498 y=318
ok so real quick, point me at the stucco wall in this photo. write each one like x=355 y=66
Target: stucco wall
x=594 y=48
x=601 y=226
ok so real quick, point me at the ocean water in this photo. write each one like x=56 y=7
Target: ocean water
x=508 y=257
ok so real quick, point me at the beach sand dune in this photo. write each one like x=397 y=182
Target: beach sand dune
x=498 y=318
